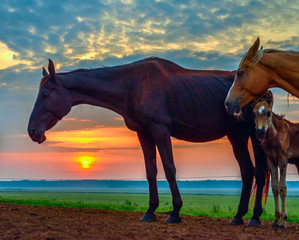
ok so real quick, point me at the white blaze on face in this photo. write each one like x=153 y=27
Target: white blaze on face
x=260 y=122
x=261 y=109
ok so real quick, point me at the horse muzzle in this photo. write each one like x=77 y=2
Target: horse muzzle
x=233 y=109
x=260 y=134
x=36 y=136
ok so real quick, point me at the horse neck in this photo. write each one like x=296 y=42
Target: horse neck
x=272 y=131
x=282 y=67
x=103 y=88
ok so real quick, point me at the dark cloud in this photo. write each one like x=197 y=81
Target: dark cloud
x=195 y=34
x=50 y=28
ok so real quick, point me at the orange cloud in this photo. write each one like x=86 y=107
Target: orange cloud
x=112 y=138
x=97 y=137
x=76 y=119
x=69 y=119
x=118 y=118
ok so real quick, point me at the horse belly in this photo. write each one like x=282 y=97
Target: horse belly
x=204 y=133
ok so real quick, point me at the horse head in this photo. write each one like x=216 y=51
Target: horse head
x=52 y=104
x=251 y=81
x=262 y=112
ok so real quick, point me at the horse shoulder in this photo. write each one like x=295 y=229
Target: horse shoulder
x=149 y=98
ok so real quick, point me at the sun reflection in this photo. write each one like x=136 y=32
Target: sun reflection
x=85 y=161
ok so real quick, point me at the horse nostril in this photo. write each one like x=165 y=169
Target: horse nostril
x=227 y=105
x=31 y=131
x=260 y=134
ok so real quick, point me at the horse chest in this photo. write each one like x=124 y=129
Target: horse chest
x=272 y=148
x=132 y=124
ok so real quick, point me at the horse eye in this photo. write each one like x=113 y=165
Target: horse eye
x=240 y=73
x=45 y=94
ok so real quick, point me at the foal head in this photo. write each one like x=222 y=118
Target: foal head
x=262 y=112
x=251 y=80
x=52 y=104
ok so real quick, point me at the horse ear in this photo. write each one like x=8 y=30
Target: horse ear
x=269 y=98
x=253 y=50
x=51 y=68
x=45 y=72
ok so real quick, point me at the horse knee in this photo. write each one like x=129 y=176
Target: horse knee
x=283 y=190
x=274 y=189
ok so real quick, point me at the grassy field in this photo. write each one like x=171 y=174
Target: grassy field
x=194 y=205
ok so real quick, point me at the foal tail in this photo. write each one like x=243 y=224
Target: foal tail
x=265 y=189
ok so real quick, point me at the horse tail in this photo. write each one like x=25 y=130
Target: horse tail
x=267 y=186
x=265 y=189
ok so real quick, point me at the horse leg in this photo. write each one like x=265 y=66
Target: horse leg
x=162 y=139
x=239 y=144
x=283 y=190
x=259 y=172
x=274 y=185
x=149 y=152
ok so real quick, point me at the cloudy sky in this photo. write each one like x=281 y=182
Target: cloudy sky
x=76 y=34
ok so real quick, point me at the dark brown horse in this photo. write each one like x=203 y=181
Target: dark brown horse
x=157 y=99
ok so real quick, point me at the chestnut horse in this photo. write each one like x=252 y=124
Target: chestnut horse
x=157 y=99
x=260 y=70
x=280 y=141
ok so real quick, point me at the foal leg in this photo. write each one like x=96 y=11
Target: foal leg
x=239 y=144
x=274 y=185
x=162 y=139
x=149 y=152
x=283 y=191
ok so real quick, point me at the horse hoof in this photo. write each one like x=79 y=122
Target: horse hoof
x=275 y=226
x=148 y=217
x=284 y=228
x=236 y=221
x=172 y=219
x=254 y=223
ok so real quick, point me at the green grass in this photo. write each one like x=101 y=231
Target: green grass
x=193 y=205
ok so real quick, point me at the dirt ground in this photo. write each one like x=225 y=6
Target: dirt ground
x=32 y=222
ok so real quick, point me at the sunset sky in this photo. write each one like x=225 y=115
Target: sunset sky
x=92 y=142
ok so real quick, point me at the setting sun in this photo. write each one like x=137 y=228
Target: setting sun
x=85 y=161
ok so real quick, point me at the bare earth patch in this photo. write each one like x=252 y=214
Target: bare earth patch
x=33 y=222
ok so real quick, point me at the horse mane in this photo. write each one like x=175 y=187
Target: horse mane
x=279 y=116
x=167 y=64
x=260 y=53
x=258 y=56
